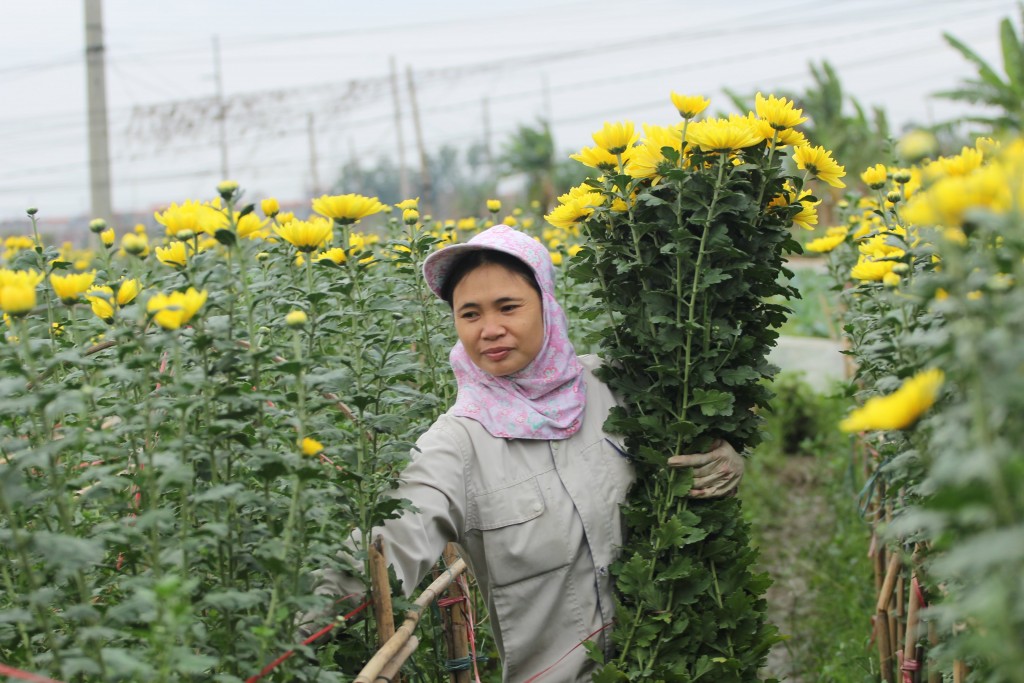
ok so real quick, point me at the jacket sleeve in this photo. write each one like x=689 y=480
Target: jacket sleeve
x=434 y=484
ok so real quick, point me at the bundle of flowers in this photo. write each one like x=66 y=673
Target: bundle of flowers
x=687 y=230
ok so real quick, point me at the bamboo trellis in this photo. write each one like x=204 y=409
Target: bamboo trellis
x=397 y=645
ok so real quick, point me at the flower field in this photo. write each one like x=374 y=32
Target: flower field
x=197 y=412
x=929 y=264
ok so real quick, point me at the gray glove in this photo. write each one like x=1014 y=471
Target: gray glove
x=716 y=474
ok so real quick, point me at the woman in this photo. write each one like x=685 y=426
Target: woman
x=519 y=472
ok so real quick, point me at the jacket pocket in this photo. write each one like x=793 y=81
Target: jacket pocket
x=522 y=535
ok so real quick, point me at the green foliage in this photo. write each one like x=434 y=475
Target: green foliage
x=1002 y=92
x=687 y=272
x=950 y=473
x=158 y=517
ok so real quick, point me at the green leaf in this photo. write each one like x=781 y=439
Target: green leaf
x=226 y=237
x=713 y=402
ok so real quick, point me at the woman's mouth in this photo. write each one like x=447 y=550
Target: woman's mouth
x=497 y=354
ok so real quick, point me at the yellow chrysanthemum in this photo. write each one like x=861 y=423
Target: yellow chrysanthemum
x=778 y=112
x=616 y=138
x=335 y=256
x=689 y=106
x=251 y=226
x=191 y=217
x=171 y=311
x=875 y=176
x=825 y=244
x=174 y=254
x=556 y=257
x=101 y=300
x=871 y=271
x=306 y=236
x=347 y=208
x=786 y=137
x=69 y=288
x=572 y=210
x=947 y=202
x=878 y=247
x=17 y=299
x=406 y=204
x=647 y=160
x=899 y=409
x=599 y=158
x=722 y=135
x=18 y=290
x=296 y=319
x=270 y=207
x=311 y=447
x=807 y=217
x=962 y=164
x=819 y=162
x=127 y=291
x=917 y=145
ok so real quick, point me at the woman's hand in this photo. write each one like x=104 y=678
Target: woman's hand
x=716 y=474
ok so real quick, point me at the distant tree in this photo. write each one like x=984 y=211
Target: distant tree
x=531 y=151
x=1001 y=92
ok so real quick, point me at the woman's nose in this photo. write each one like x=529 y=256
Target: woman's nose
x=492 y=328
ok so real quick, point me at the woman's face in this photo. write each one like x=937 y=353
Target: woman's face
x=499 y=319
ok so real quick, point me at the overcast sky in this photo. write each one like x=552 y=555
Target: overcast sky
x=317 y=71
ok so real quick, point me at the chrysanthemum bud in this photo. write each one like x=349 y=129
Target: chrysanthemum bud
x=296 y=319
x=902 y=176
x=31 y=211
x=97 y=225
x=410 y=216
x=262 y=256
x=494 y=205
x=227 y=188
x=900 y=268
x=893 y=197
x=270 y=207
x=135 y=244
x=891 y=280
x=184 y=235
x=108 y=237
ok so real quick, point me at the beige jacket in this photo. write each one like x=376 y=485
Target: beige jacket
x=538 y=523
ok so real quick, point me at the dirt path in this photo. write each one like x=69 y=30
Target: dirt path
x=799 y=519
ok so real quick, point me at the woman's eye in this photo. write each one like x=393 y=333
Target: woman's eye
x=471 y=315
x=509 y=308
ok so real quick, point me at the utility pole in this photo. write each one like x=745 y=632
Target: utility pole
x=313 y=173
x=424 y=163
x=403 y=176
x=221 y=110
x=96 y=93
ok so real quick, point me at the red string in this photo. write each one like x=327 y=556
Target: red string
x=325 y=630
x=534 y=677
x=470 y=626
x=908 y=667
x=24 y=675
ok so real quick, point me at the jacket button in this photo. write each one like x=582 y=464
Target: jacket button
x=537 y=507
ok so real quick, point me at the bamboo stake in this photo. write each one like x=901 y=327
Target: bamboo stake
x=901 y=611
x=389 y=674
x=412 y=618
x=380 y=591
x=884 y=646
x=910 y=638
x=960 y=671
x=458 y=639
x=885 y=595
x=934 y=676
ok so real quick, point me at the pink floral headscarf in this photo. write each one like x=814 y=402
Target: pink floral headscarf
x=544 y=400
